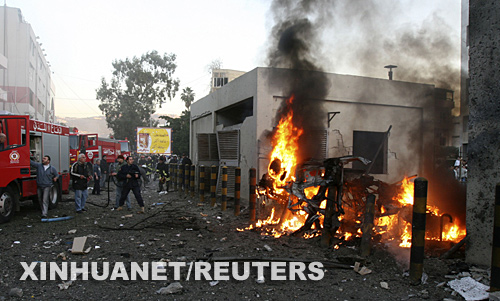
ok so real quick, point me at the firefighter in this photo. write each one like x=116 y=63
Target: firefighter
x=81 y=173
x=162 y=171
x=130 y=173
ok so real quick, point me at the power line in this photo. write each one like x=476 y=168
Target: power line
x=79 y=98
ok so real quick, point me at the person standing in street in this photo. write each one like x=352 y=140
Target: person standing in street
x=162 y=171
x=115 y=168
x=46 y=176
x=97 y=177
x=104 y=172
x=131 y=174
x=81 y=174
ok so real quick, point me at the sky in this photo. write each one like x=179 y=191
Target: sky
x=83 y=38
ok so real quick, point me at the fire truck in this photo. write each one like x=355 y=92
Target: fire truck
x=95 y=147
x=27 y=138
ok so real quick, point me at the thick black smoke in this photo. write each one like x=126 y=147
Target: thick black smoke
x=295 y=38
x=360 y=37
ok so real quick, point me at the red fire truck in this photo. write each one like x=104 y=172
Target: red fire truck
x=30 y=138
x=96 y=147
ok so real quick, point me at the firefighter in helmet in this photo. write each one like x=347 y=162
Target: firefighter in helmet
x=162 y=171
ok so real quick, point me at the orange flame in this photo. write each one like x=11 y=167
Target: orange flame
x=394 y=227
x=285 y=146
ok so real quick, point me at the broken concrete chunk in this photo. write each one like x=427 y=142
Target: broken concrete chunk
x=361 y=270
x=16 y=292
x=172 y=288
x=65 y=285
x=79 y=245
x=364 y=271
x=61 y=255
x=72 y=231
x=357 y=266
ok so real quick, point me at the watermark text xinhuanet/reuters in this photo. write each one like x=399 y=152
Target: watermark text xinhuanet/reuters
x=240 y=271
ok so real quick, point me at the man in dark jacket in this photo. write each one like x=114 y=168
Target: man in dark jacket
x=131 y=174
x=162 y=170
x=46 y=176
x=81 y=174
x=120 y=161
x=104 y=172
x=97 y=177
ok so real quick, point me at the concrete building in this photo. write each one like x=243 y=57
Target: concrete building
x=230 y=126
x=26 y=79
x=221 y=77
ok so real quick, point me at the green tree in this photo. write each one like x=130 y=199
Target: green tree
x=180 y=132
x=187 y=97
x=137 y=86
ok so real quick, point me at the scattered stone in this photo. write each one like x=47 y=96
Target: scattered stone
x=16 y=292
x=73 y=231
x=441 y=284
x=61 y=255
x=384 y=285
x=268 y=248
x=424 y=294
x=65 y=285
x=424 y=278
x=214 y=283
x=172 y=288
x=362 y=271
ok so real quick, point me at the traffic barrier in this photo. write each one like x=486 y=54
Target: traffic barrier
x=213 y=186
x=253 y=193
x=418 y=230
x=191 y=183
x=202 y=183
x=237 y=190
x=224 y=189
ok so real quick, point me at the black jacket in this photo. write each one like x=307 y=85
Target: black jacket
x=129 y=170
x=78 y=169
x=162 y=169
x=104 y=166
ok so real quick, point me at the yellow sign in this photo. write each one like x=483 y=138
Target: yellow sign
x=154 y=141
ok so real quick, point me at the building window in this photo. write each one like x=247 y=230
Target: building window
x=368 y=145
x=220 y=81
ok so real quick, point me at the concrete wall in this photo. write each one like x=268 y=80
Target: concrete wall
x=366 y=104
x=484 y=127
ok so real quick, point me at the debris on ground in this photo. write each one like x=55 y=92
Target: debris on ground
x=172 y=288
x=469 y=288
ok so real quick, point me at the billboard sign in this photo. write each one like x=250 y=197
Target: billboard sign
x=154 y=141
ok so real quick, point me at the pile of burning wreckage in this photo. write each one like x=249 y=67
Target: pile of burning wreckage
x=321 y=197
